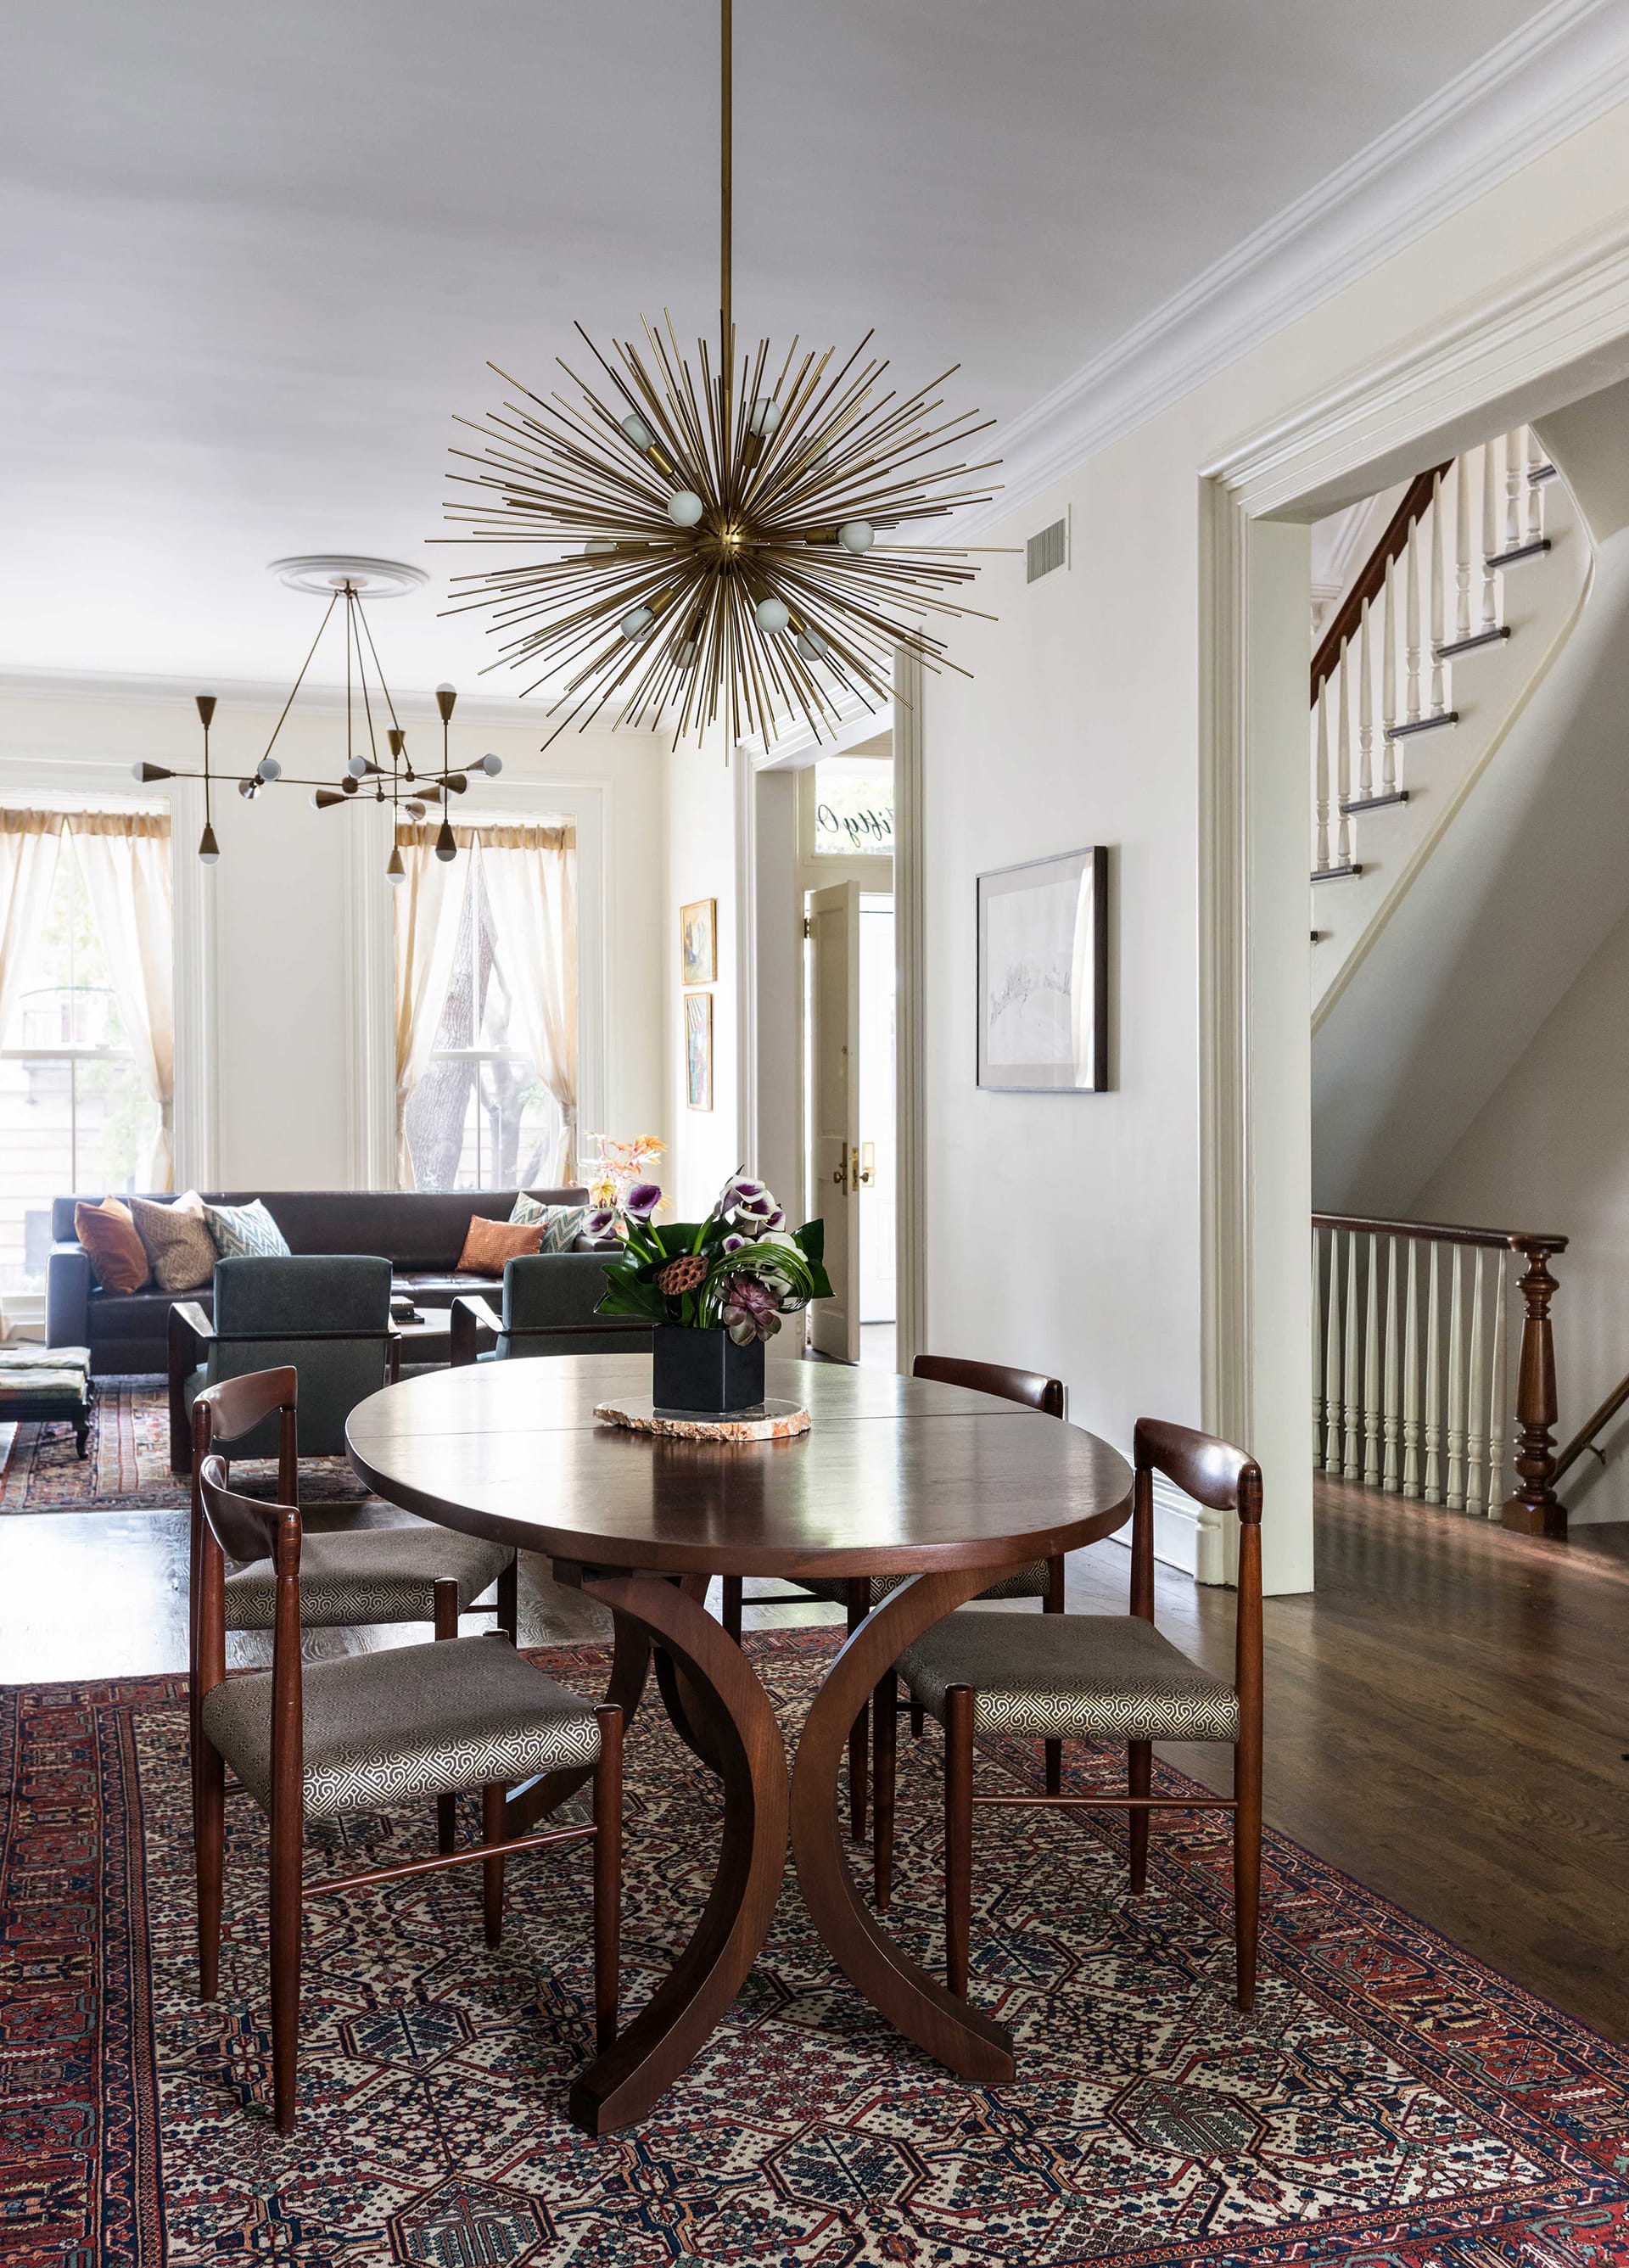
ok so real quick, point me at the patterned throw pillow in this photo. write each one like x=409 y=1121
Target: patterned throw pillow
x=562 y=1224
x=177 y=1240
x=246 y=1233
x=118 y=1256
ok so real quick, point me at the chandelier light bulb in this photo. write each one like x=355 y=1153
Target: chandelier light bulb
x=447 y=848
x=209 y=848
x=857 y=536
x=772 y=615
x=268 y=769
x=811 y=645
x=635 y=624
x=599 y=547
x=357 y=767
x=490 y=765
x=685 y=507
x=764 y=417
x=396 y=872
x=638 y=431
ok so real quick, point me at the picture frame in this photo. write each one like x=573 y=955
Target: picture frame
x=1043 y=975
x=699 y=1051
x=698 y=942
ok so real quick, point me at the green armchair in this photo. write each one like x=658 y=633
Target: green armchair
x=547 y=1302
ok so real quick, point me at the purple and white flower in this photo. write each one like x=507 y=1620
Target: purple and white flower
x=642 y=1200
x=602 y=1221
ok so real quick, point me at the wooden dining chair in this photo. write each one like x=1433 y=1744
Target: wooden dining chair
x=1099 y=1677
x=1041 y=1578
x=321 y=1738
x=351 y=1576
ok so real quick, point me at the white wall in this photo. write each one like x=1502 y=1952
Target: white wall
x=1550 y=1150
x=1063 y=1232
x=286 y=1087
x=780 y=990
x=699 y=803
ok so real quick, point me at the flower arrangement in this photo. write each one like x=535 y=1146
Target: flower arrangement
x=740 y=1270
x=618 y=1165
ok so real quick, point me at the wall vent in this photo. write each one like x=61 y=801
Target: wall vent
x=1047 y=550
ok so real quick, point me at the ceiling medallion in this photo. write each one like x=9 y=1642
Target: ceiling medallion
x=391 y=779
x=725 y=548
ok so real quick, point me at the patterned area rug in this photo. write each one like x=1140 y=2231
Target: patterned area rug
x=1392 y=2104
x=128 y=1466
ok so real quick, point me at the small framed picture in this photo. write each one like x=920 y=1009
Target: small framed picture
x=699 y=1051
x=1043 y=975
x=698 y=941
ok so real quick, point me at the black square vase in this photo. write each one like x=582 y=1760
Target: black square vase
x=705 y=1372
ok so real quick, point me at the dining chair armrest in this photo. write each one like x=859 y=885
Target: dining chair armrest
x=190 y=1332
x=475 y=1323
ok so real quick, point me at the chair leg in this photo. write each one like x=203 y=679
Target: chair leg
x=730 y=1609
x=508 y=1602
x=493 y=1800
x=860 y=1731
x=958 y=1835
x=209 y=1840
x=446 y=1626
x=1139 y=1777
x=285 y=1939
x=885 y=1710
x=1054 y=1605
x=1246 y=1867
x=607 y=1875
x=918 y=1720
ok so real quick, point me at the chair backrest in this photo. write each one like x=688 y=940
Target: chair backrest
x=223 y=1415
x=1226 y=1479
x=1032 y=1388
x=548 y=1302
x=244 y=1528
x=327 y=1315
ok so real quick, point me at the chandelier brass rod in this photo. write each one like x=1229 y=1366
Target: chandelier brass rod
x=300 y=680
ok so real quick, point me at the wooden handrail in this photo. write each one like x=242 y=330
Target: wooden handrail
x=1584 y=1439
x=1444 y=1231
x=1415 y=504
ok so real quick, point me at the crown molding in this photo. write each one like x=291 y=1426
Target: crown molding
x=1567 y=66
x=261 y=694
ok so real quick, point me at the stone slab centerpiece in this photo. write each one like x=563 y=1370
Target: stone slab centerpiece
x=713 y=1290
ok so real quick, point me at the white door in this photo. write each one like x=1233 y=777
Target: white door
x=833 y=1055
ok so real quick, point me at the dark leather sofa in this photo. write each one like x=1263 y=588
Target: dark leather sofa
x=420 y=1231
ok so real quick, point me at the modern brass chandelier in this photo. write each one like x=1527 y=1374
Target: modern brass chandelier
x=720 y=547
x=366 y=775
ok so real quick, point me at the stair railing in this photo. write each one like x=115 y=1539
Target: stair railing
x=1424 y=597
x=1411 y=1359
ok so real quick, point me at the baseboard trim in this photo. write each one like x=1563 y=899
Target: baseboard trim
x=1187 y=1536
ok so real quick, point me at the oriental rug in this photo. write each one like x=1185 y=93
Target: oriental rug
x=1391 y=2103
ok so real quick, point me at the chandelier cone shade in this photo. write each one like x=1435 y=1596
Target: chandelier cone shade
x=730 y=544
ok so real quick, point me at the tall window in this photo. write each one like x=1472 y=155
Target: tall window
x=87 y=1073
x=486 y=1008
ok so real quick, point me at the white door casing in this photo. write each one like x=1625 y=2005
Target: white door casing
x=834 y=1122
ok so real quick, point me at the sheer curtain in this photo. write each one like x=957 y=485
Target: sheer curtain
x=124 y=858
x=530 y=875
x=29 y=842
x=428 y=907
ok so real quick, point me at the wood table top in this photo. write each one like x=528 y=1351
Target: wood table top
x=896 y=1474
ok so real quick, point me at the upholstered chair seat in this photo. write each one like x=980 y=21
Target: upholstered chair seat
x=1074 y=1677
x=382 y=1728
x=370 y=1575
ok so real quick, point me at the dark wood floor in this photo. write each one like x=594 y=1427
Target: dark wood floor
x=1447 y=1714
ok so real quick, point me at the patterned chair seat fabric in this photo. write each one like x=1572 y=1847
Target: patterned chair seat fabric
x=1101 y=1677
x=1030 y=1582
x=387 y=1728
x=369 y=1575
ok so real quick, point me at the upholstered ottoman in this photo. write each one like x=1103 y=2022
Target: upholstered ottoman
x=46 y=1386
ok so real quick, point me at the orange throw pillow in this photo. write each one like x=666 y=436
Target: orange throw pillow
x=489 y=1243
x=118 y=1256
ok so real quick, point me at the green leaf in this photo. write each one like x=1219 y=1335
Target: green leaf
x=811 y=1242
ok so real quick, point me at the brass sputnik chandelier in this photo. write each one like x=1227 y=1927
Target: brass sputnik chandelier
x=391 y=779
x=722 y=547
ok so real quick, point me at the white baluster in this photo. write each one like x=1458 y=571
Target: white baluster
x=1351 y=1465
x=1331 y=1362
x=1343 y=765
x=1515 y=480
x=1434 y=1383
x=1391 y=1403
x=1461 y=547
x=1410 y=624
x=1454 y=1492
x=1438 y=689
x=1317 y=1350
x=1366 y=708
x=1476 y=1439
x=1490 y=537
x=1496 y=1393
x=1411 y=1373
x=1371 y=1370
x=1389 y=681
x=1535 y=457
x=1321 y=783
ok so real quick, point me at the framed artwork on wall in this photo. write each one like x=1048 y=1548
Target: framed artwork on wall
x=698 y=941
x=1043 y=975
x=699 y=1051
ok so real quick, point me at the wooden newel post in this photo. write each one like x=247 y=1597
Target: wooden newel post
x=1534 y=1510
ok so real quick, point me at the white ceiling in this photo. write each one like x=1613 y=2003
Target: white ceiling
x=254 y=257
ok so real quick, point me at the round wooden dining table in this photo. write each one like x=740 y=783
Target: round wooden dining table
x=896 y=1476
